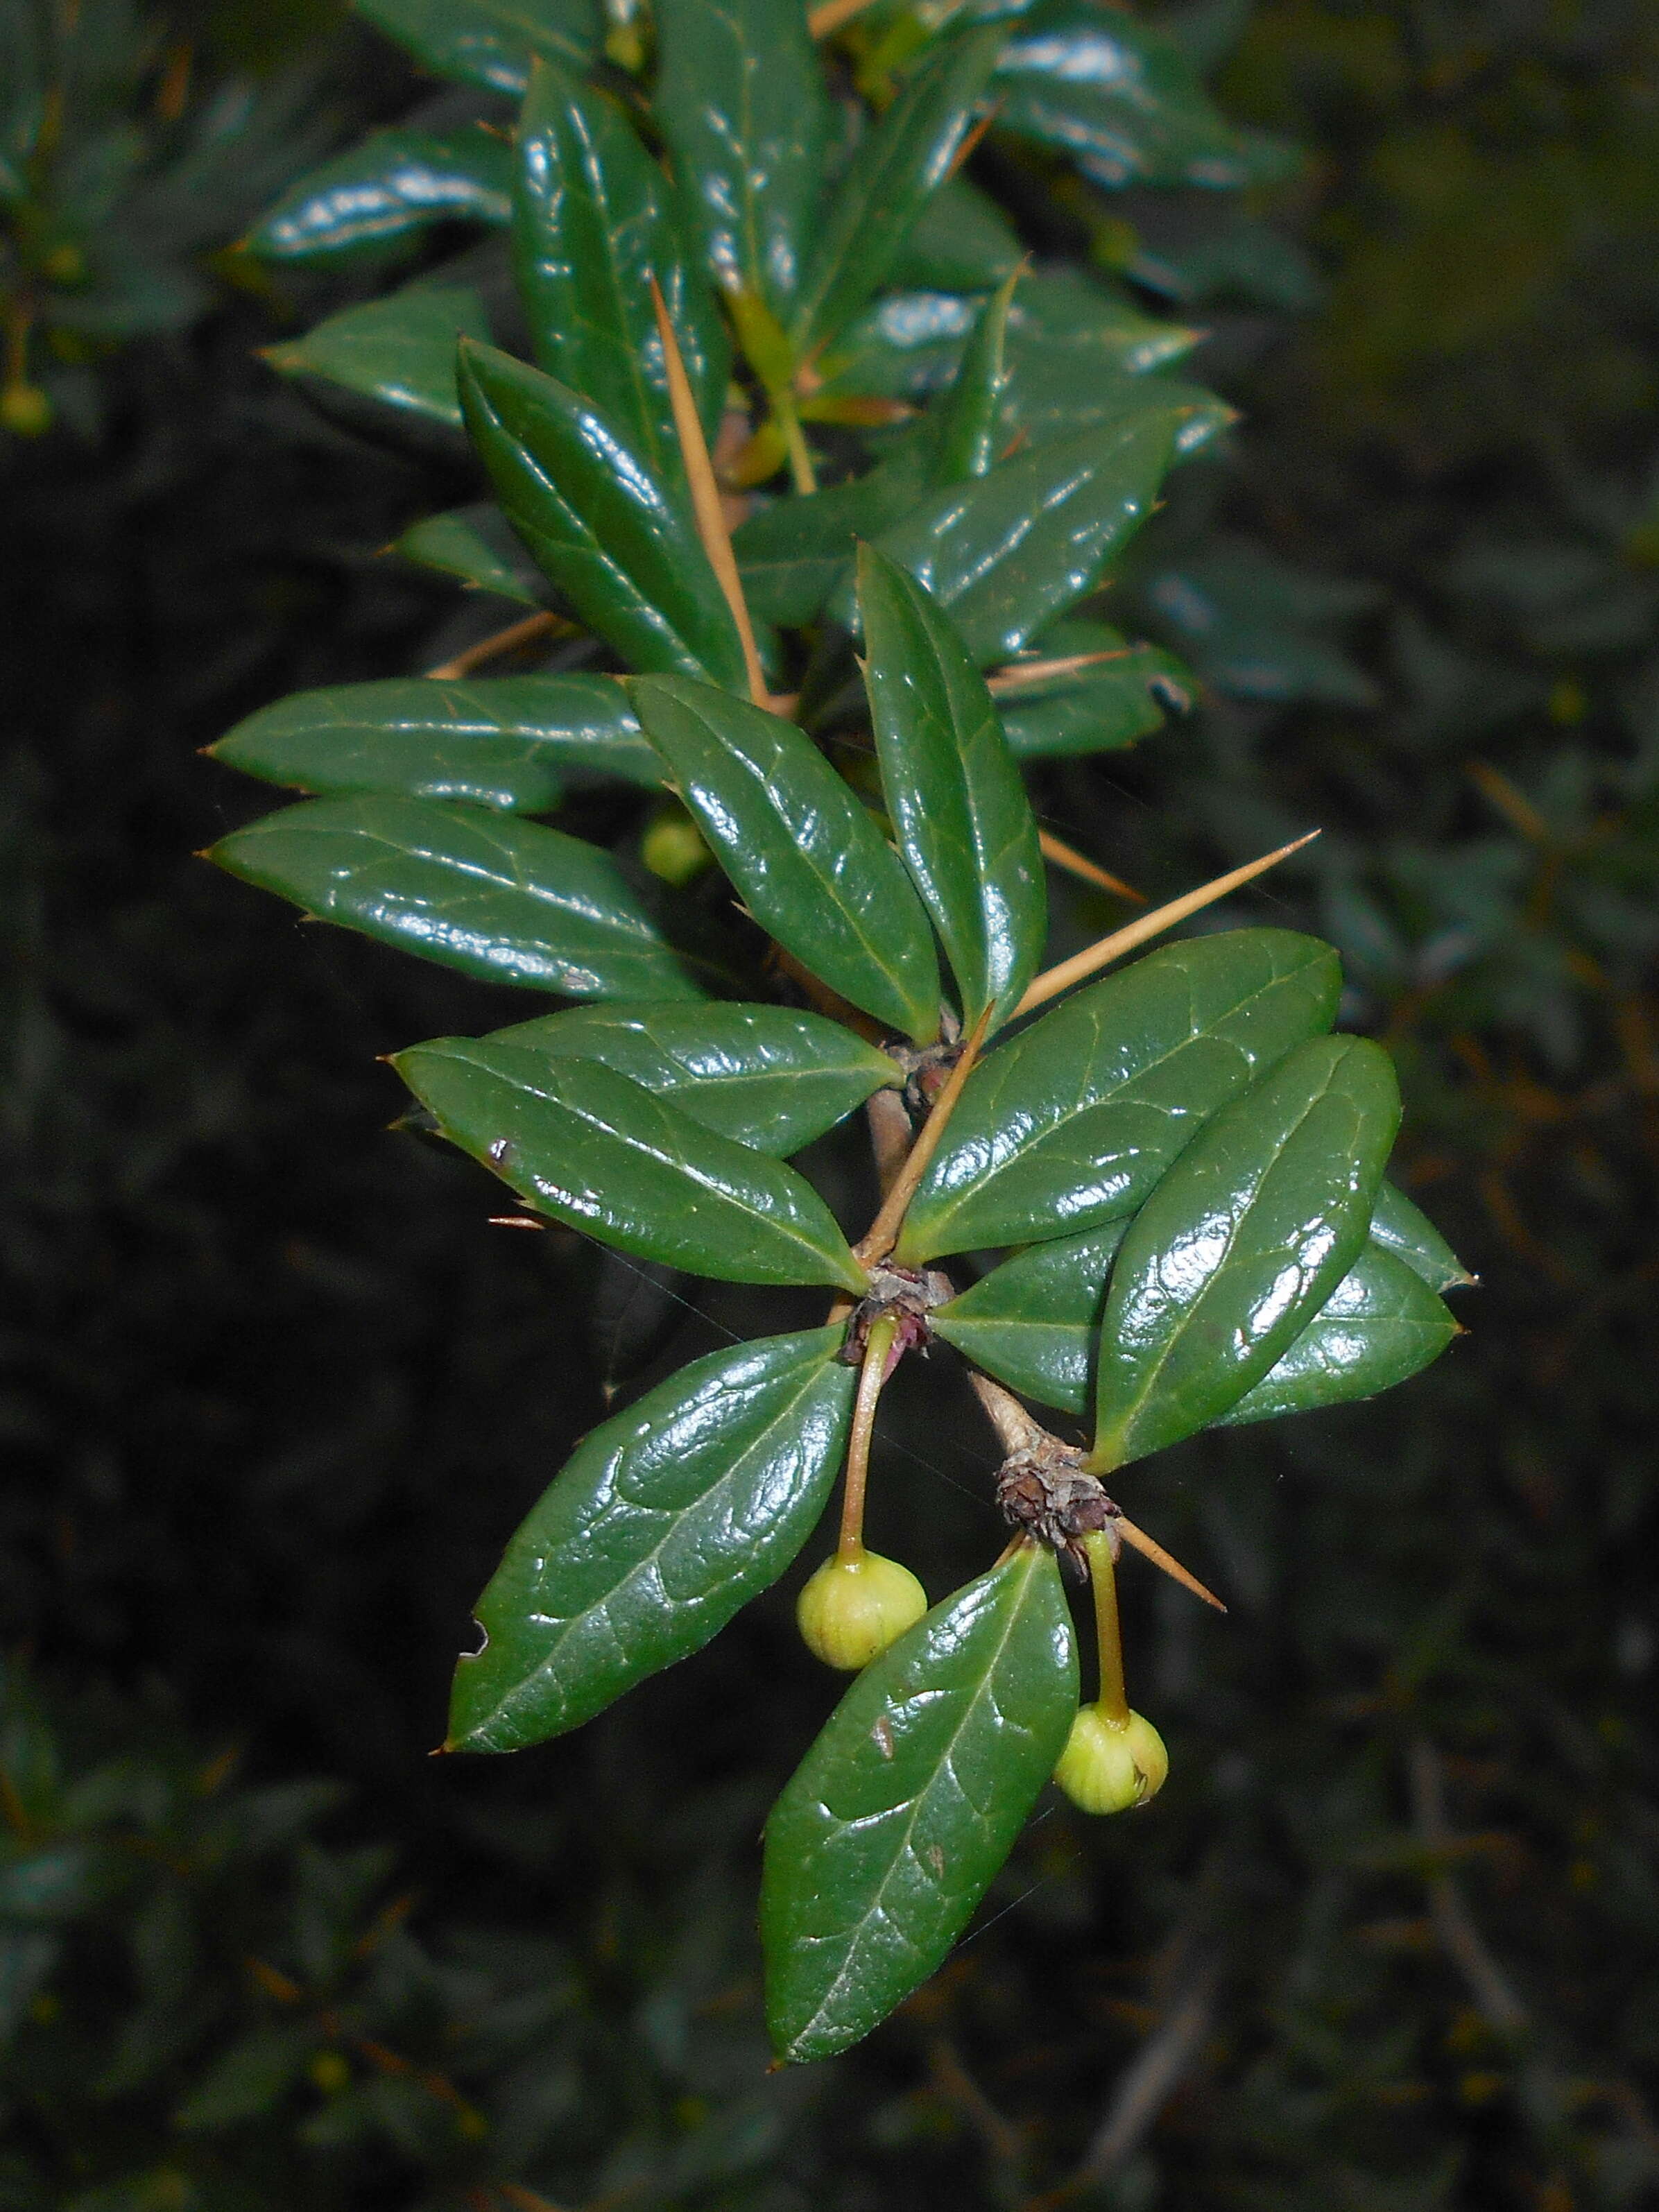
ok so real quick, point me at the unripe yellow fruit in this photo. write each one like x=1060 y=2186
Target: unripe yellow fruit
x=852 y=1608
x=673 y=849
x=25 y=410
x=1108 y=1766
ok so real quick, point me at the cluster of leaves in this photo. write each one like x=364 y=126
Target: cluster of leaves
x=1187 y=1167
x=120 y=170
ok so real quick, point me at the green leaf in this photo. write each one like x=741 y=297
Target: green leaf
x=1073 y=1121
x=598 y=521
x=1242 y=1244
x=969 y=413
x=961 y=241
x=245 y=2081
x=892 y=175
x=489 y=42
x=1098 y=708
x=399 y=350
x=1381 y=1325
x=1117 y=95
x=791 y=553
x=1404 y=1230
x=811 y=865
x=507 y=902
x=596 y=1150
x=764 y=1076
x=1006 y=553
x=669 y=1518
x=497 y=741
x=898 y=1819
x=590 y=230
x=393 y=185
x=741 y=101
x=477 y=545
x=1034 y=1323
x=959 y=810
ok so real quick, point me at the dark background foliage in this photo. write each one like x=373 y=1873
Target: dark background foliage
x=275 y=1392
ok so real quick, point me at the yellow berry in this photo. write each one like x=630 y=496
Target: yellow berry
x=25 y=410
x=1108 y=1766
x=673 y=849
x=330 y=2072
x=852 y=1608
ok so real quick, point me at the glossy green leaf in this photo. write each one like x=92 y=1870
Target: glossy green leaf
x=968 y=435
x=1240 y=1244
x=598 y=521
x=1099 y=707
x=489 y=42
x=1116 y=93
x=595 y=1150
x=1073 y=1120
x=1006 y=554
x=509 y=902
x=477 y=544
x=1381 y=1325
x=667 y=1519
x=498 y=741
x=961 y=241
x=741 y=101
x=894 y=172
x=810 y=863
x=901 y=1813
x=590 y=229
x=964 y=823
x=1034 y=1323
x=791 y=553
x=393 y=185
x=1405 y=1230
x=399 y=350
x=769 y=1077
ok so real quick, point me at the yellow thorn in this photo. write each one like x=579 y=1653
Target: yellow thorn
x=1079 y=864
x=1150 y=1549
x=503 y=641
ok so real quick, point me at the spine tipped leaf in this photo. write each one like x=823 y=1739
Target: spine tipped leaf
x=892 y=176
x=398 y=351
x=396 y=183
x=1072 y=1123
x=598 y=522
x=476 y=545
x=811 y=865
x=590 y=229
x=1405 y=1230
x=740 y=98
x=669 y=1518
x=963 y=823
x=489 y=42
x=1381 y=1325
x=1240 y=1244
x=499 y=741
x=598 y=1150
x=507 y=900
x=769 y=1077
x=966 y=417
x=903 y=1811
x=1009 y=551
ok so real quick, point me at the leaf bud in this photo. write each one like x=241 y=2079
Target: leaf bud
x=851 y=1609
x=1108 y=1764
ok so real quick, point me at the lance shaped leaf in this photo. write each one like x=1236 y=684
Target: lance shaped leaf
x=399 y=350
x=668 y=1519
x=1380 y=1325
x=1240 y=1244
x=598 y=521
x=590 y=229
x=1034 y=1323
x=792 y=555
x=1099 y=706
x=741 y=101
x=963 y=823
x=1072 y=1123
x=395 y=183
x=499 y=741
x=969 y=413
x=489 y=42
x=1009 y=551
x=898 y=1819
x=507 y=900
x=1405 y=1230
x=811 y=865
x=891 y=177
x=961 y=241
x=769 y=1077
x=478 y=545
x=591 y=1148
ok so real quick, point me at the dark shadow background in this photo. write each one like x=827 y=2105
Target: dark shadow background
x=275 y=1393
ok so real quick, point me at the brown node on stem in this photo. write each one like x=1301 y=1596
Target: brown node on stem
x=1043 y=1489
x=905 y=1296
